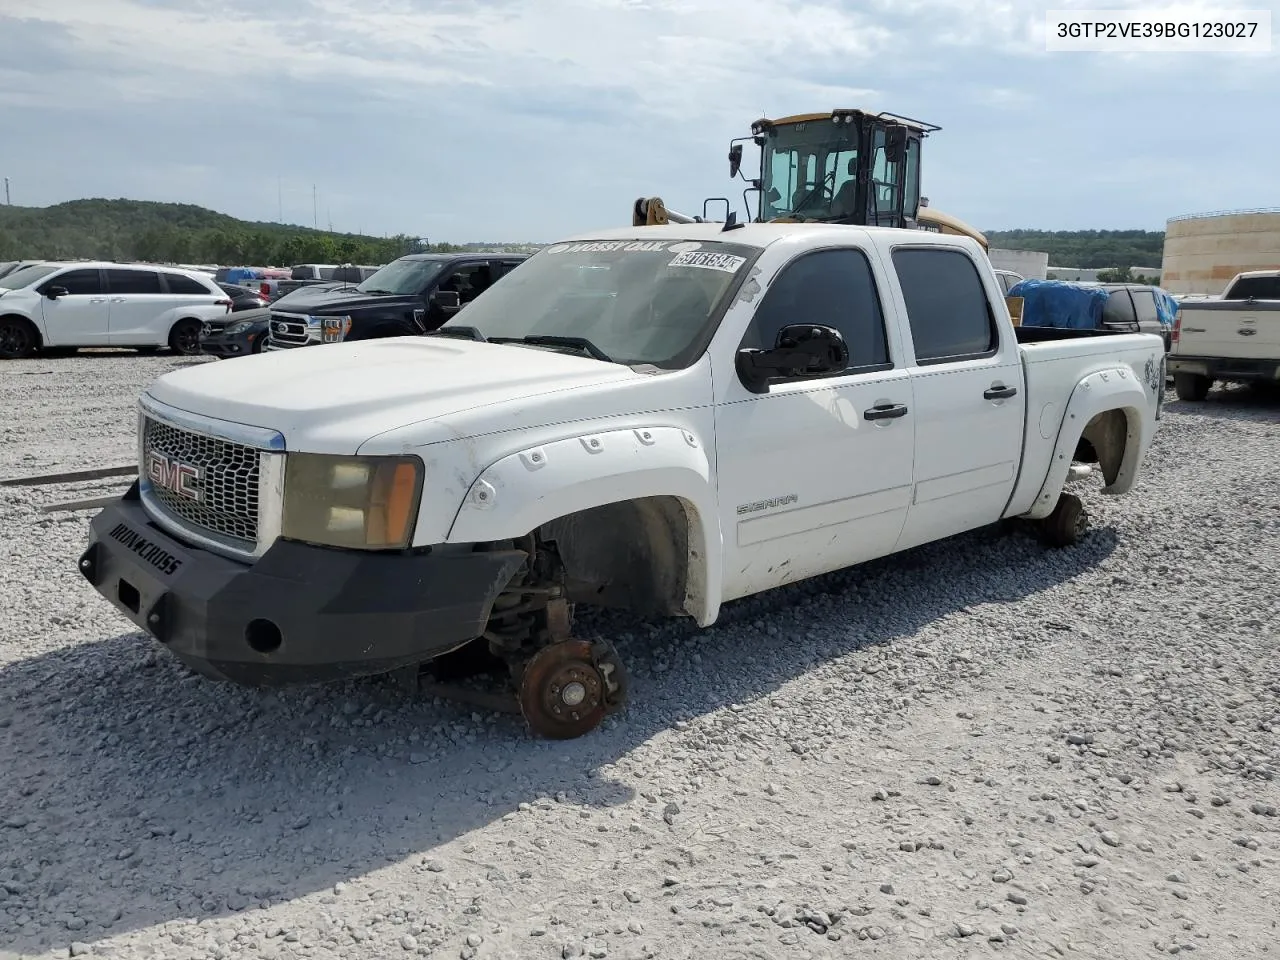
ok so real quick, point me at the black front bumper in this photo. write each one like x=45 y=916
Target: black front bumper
x=240 y=345
x=298 y=614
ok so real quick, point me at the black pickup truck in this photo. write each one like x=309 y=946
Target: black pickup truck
x=415 y=294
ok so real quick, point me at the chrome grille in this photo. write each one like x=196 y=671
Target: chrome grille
x=289 y=330
x=226 y=479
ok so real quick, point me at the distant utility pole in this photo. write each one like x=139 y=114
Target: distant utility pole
x=315 y=209
x=7 y=201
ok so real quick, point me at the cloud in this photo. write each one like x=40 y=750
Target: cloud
x=513 y=118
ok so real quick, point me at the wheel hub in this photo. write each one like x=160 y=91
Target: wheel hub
x=564 y=693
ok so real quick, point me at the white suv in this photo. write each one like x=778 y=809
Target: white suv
x=93 y=304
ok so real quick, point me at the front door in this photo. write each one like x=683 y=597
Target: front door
x=79 y=317
x=815 y=474
x=969 y=395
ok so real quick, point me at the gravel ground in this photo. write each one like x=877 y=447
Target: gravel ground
x=977 y=746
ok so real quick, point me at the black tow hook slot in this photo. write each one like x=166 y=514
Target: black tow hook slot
x=89 y=566
x=158 y=618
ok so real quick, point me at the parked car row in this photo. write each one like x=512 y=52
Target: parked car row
x=102 y=304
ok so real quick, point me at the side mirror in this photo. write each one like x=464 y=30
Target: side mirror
x=53 y=293
x=802 y=349
x=735 y=160
x=895 y=143
x=447 y=300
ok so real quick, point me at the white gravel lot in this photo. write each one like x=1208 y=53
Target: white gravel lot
x=981 y=746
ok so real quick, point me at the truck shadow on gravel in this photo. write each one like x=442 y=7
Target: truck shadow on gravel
x=1244 y=402
x=134 y=793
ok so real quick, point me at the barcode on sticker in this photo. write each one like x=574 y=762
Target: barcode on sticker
x=726 y=262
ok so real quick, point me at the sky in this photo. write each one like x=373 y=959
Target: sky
x=531 y=120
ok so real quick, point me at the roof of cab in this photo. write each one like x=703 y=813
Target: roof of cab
x=762 y=235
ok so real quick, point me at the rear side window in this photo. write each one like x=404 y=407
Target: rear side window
x=1145 y=303
x=134 y=281
x=1119 y=309
x=186 y=285
x=831 y=287
x=947 y=306
x=301 y=273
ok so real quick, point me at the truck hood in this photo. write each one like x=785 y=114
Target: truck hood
x=332 y=399
x=329 y=302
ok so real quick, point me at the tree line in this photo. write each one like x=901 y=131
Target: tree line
x=1086 y=249
x=126 y=230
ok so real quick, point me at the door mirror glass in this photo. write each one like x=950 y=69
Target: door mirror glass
x=450 y=301
x=54 y=292
x=801 y=350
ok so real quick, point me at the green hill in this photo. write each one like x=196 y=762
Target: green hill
x=179 y=233
x=1086 y=248
x=185 y=233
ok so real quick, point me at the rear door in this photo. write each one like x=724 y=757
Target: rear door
x=79 y=318
x=138 y=298
x=967 y=378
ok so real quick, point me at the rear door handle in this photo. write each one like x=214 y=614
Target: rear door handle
x=885 y=411
x=118 y=300
x=1000 y=393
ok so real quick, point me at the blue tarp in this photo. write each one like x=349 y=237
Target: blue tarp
x=1060 y=304
x=241 y=274
x=1166 y=307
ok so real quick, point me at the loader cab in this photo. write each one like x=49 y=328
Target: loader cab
x=845 y=166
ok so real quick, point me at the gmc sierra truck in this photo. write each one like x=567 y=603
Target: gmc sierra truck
x=1235 y=338
x=661 y=419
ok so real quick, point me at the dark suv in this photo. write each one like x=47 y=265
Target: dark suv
x=413 y=295
x=1132 y=306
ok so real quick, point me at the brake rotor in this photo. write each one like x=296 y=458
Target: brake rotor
x=562 y=693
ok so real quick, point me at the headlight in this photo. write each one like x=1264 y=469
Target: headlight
x=238 y=328
x=331 y=329
x=360 y=503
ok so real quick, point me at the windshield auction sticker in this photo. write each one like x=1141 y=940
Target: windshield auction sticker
x=601 y=246
x=724 y=262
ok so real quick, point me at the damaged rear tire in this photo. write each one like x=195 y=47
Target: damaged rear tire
x=1068 y=523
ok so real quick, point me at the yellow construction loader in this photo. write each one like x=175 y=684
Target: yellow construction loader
x=844 y=166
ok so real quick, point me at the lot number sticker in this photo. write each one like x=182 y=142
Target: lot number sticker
x=725 y=262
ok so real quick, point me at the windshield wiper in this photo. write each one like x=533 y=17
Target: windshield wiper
x=387 y=293
x=547 y=340
x=470 y=333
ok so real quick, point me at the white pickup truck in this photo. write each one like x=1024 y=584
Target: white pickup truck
x=1234 y=338
x=661 y=419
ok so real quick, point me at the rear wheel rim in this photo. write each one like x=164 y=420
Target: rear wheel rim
x=187 y=339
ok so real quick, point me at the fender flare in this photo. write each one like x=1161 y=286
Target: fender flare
x=525 y=490
x=1115 y=388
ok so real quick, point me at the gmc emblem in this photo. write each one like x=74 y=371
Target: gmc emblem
x=175 y=476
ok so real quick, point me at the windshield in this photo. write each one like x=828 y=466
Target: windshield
x=28 y=275
x=633 y=301
x=1246 y=288
x=404 y=276
x=810 y=169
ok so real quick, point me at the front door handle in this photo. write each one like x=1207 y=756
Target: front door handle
x=97 y=299
x=885 y=411
x=1000 y=393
